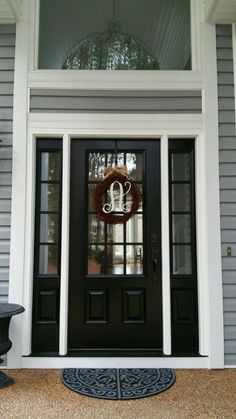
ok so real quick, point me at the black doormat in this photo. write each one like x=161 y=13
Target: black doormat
x=118 y=384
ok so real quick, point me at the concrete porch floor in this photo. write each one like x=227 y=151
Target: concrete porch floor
x=196 y=394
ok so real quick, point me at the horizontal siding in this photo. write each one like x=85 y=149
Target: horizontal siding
x=42 y=100
x=227 y=145
x=7 y=53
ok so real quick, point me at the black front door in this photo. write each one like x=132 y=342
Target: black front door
x=115 y=270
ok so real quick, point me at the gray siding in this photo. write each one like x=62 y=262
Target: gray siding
x=7 y=53
x=115 y=101
x=227 y=143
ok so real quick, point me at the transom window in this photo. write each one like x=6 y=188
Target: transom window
x=115 y=35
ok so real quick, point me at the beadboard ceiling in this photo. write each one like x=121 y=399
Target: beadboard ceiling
x=9 y=11
x=162 y=25
x=220 y=11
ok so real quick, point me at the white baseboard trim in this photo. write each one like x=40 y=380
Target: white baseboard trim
x=70 y=362
x=230 y=366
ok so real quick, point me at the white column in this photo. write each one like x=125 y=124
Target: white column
x=166 y=298
x=65 y=246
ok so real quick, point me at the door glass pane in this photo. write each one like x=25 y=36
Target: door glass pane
x=50 y=197
x=181 y=228
x=96 y=164
x=50 y=166
x=49 y=228
x=96 y=259
x=129 y=198
x=115 y=260
x=96 y=230
x=181 y=198
x=115 y=233
x=134 y=162
x=108 y=258
x=48 y=260
x=181 y=166
x=134 y=229
x=134 y=260
x=182 y=260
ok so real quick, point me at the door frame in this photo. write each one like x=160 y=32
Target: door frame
x=105 y=126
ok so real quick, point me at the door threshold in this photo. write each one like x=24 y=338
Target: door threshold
x=114 y=353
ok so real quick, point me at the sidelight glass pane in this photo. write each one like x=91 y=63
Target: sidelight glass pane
x=49 y=229
x=48 y=260
x=134 y=229
x=50 y=166
x=181 y=166
x=115 y=260
x=96 y=230
x=134 y=260
x=181 y=198
x=182 y=260
x=181 y=228
x=96 y=164
x=50 y=197
x=115 y=233
x=96 y=260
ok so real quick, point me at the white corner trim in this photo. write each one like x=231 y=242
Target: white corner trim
x=202 y=250
x=234 y=63
x=81 y=362
x=212 y=233
x=165 y=247
x=63 y=332
x=29 y=245
x=19 y=182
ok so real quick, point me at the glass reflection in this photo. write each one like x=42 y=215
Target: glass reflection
x=134 y=260
x=134 y=165
x=181 y=228
x=50 y=166
x=181 y=198
x=49 y=228
x=49 y=197
x=115 y=233
x=96 y=164
x=115 y=260
x=96 y=230
x=181 y=166
x=182 y=260
x=48 y=260
x=96 y=260
x=134 y=229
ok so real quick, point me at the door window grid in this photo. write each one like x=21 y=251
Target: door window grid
x=182 y=212
x=122 y=256
x=49 y=214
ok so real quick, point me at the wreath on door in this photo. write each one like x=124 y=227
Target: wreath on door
x=115 y=177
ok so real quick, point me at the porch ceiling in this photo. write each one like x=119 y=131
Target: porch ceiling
x=220 y=11
x=10 y=11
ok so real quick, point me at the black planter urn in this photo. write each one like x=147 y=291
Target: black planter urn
x=6 y=313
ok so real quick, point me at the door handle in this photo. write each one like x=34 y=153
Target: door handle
x=154 y=266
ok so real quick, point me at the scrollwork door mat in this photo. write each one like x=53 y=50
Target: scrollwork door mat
x=118 y=384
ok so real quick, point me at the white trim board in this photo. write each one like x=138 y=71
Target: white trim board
x=70 y=362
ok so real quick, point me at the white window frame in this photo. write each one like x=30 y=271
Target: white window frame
x=195 y=21
x=203 y=127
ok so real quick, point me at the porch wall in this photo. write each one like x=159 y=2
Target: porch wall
x=7 y=54
x=227 y=144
